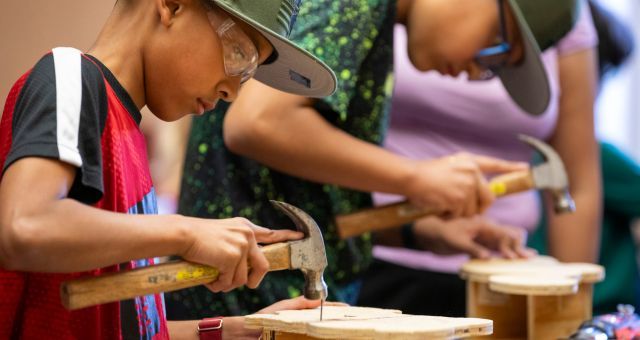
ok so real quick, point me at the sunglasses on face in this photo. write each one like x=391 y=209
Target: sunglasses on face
x=239 y=53
x=496 y=56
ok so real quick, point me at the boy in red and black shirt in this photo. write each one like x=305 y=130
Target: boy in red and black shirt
x=75 y=191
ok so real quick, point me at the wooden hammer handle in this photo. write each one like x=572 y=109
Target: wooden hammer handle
x=164 y=277
x=378 y=218
x=397 y=214
x=512 y=183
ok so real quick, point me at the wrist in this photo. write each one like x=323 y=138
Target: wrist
x=408 y=176
x=234 y=329
x=183 y=235
x=210 y=328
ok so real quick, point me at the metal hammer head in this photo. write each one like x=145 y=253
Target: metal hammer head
x=307 y=254
x=551 y=175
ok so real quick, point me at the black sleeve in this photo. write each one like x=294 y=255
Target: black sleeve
x=60 y=114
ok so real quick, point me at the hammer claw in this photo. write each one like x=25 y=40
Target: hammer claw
x=308 y=254
x=551 y=175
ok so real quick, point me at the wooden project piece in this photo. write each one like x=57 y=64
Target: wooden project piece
x=363 y=323
x=538 y=298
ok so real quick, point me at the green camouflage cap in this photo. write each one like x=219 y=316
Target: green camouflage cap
x=542 y=24
x=292 y=69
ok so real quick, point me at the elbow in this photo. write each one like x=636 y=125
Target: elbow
x=17 y=238
x=419 y=57
x=244 y=136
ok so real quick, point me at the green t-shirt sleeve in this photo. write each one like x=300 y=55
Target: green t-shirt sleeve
x=621 y=182
x=342 y=34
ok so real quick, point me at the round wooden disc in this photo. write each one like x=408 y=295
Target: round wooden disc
x=533 y=285
x=542 y=266
x=591 y=273
x=481 y=270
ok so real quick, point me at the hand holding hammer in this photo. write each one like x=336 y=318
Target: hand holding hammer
x=550 y=176
x=307 y=255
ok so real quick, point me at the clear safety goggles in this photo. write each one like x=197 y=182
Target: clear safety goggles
x=240 y=54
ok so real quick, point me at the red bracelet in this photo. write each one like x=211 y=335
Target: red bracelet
x=210 y=328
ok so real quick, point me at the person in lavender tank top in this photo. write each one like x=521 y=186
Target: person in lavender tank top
x=434 y=115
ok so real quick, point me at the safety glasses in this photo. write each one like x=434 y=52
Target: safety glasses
x=494 y=57
x=240 y=54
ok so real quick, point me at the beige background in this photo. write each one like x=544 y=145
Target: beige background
x=30 y=28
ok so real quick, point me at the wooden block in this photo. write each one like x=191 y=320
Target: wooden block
x=363 y=323
x=538 y=298
x=555 y=317
x=508 y=312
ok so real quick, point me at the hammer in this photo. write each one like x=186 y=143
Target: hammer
x=307 y=255
x=549 y=175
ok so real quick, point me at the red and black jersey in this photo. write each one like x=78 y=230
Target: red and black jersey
x=71 y=108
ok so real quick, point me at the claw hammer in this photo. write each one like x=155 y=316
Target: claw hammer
x=307 y=255
x=550 y=176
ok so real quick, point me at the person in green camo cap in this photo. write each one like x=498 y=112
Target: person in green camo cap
x=323 y=155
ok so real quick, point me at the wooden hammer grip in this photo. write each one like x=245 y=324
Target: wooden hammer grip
x=397 y=214
x=383 y=217
x=512 y=183
x=164 y=277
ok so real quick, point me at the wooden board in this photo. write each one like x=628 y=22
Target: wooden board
x=366 y=323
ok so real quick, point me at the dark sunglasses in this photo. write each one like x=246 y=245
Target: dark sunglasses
x=494 y=57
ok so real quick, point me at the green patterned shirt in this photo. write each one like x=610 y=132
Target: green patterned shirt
x=355 y=38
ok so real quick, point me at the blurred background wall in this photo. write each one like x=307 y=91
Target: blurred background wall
x=618 y=107
x=30 y=28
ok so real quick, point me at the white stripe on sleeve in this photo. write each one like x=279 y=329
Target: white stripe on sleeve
x=68 y=69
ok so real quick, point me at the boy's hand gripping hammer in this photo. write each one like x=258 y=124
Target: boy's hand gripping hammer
x=307 y=255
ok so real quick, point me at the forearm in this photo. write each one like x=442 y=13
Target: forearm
x=69 y=236
x=303 y=144
x=576 y=237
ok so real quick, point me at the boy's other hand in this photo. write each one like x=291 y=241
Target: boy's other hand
x=456 y=185
x=478 y=237
x=234 y=326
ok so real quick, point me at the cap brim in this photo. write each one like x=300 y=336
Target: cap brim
x=295 y=70
x=527 y=81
